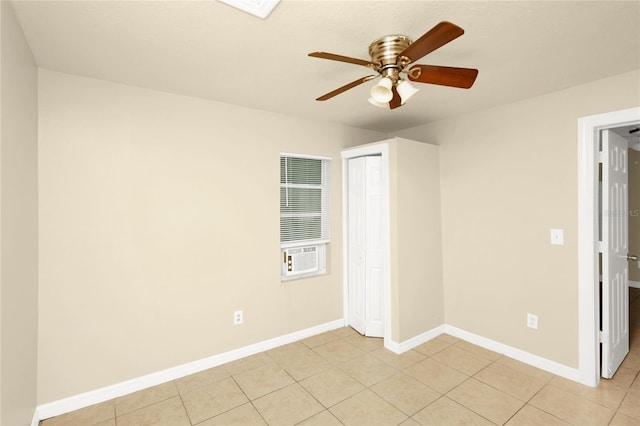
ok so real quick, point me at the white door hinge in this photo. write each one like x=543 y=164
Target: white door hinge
x=600 y=336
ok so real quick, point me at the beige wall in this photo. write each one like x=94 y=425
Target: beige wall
x=18 y=224
x=508 y=175
x=158 y=219
x=416 y=239
x=634 y=208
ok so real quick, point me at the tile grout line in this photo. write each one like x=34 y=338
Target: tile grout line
x=331 y=365
x=402 y=371
x=143 y=406
x=537 y=408
x=316 y=399
x=366 y=387
x=184 y=407
x=525 y=403
x=248 y=399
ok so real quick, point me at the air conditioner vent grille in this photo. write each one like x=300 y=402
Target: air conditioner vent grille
x=301 y=260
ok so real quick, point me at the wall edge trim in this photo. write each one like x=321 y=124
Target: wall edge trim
x=548 y=365
x=492 y=345
x=76 y=402
x=415 y=341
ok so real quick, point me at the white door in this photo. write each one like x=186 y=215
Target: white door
x=615 y=267
x=366 y=308
x=356 y=215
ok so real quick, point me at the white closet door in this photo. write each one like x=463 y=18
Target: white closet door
x=366 y=268
x=357 y=219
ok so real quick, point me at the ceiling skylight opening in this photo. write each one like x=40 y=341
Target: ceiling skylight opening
x=259 y=8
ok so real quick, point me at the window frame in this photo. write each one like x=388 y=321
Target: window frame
x=324 y=214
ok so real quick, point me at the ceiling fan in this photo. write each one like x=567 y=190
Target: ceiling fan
x=390 y=57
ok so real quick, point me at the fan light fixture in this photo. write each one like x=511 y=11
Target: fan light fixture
x=381 y=92
x=406 y=90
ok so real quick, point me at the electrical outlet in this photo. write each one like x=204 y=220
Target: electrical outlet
x=532 y=321
x=237 y=318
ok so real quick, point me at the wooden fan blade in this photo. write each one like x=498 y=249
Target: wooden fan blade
x=334 y=57
x=444 y=76
x=436 y=37
x=396 y=101
x=345 y=88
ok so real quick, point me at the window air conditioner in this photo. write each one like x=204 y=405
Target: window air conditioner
x=300 y=260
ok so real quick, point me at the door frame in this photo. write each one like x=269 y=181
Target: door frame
x=588 y=241
x=381 y=149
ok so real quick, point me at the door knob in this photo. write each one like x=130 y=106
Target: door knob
x=632 y=257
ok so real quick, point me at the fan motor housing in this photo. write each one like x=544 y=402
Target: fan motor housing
x=385 y=50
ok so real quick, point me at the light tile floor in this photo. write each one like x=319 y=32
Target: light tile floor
x=342 y=378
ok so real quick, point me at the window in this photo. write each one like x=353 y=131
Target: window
x=304 y=214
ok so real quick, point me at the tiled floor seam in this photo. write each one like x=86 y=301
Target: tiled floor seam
x=313 y=396
x=317 y=400
x=464 y=406
x=231 y=409
x=468 y=408
x=525 y=402
x=398 y=408
x=516 y=413
x=591 y=400
x=500 y=390
x=578 y=396
x=453 y=368
x=259 y=413
x=531 y=398
x=461 y=347
x=248 y=399
x=626 y=392
x=334 y=404
x=366 y=387
x=184 y=407
x=144 y=406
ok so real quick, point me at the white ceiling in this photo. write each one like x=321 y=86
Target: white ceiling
x=211 y=50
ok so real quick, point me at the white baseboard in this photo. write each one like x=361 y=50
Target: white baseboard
x=517 y=354
x=634 y=284
x=107 y=393
x=411 y=343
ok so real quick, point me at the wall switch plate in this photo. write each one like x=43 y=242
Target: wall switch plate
x=238 y=317
x=557 y=237
x=532 y=321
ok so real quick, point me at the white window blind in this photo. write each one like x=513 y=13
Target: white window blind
x=304 y=200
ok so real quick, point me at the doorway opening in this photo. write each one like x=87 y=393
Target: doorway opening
x=616 y=173
x=589 y=131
